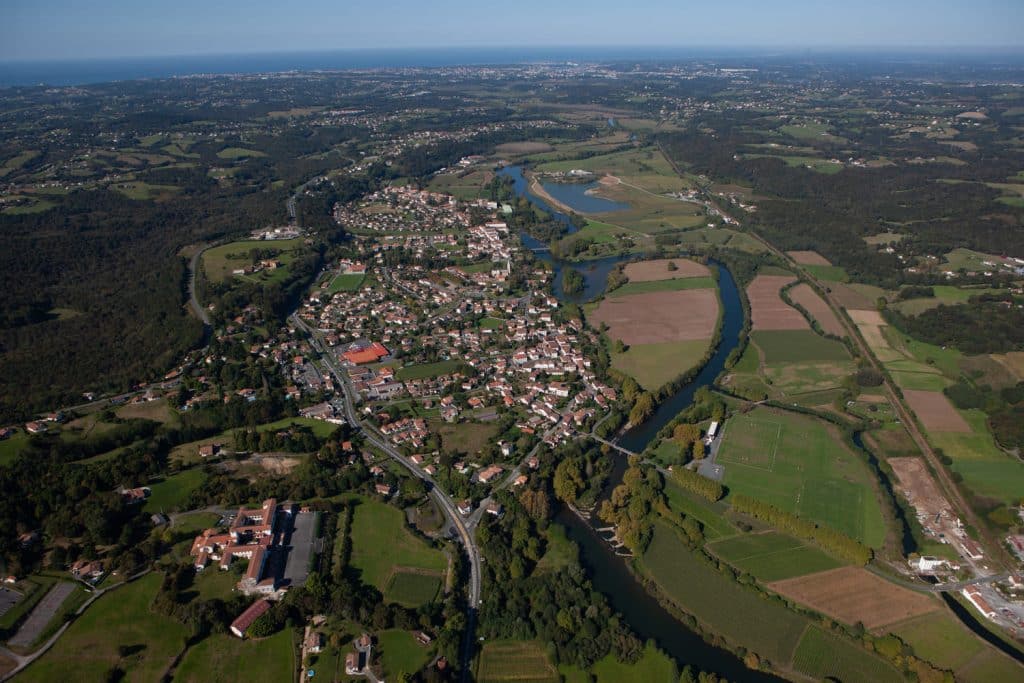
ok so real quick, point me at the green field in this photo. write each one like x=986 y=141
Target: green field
x=465 y=437
x=238 y=153
x=346 y=282
x=517 y=661
x=381 y=545
x=218 y=262
x=412 y=589
x=986 y=469
x=222 y=657
x=714 y=525
x=944 y=294
x=12 y=446
x=734 y=611
x=828 y=273
x=173 y=492
x=650 y=213
x=822 y=655
x=400 y=653
x=772 y=556
x=797 y=346
x=654 y=665
x=653 y=365
x=798 y=464
x=559 y=551
x=940 y=638
x=646 y=168
x=425 y=370
x=663 y=286
x=144 y=191
x=790 y=379
x=89 y=648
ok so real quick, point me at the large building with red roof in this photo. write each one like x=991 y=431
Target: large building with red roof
x=366 y=354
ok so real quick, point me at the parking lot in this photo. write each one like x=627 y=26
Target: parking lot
x=300 y=548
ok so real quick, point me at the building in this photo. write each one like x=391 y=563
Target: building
x=251 y=536
x=926 y=563
x=256 y=610
x=974 y=596
x=361 y=355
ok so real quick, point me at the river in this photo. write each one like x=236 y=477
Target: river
x=609 y=572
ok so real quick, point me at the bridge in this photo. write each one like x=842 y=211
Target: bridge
x=606 y=442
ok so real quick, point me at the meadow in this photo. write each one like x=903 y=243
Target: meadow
x=428 y=370
x=654 y=665
x=798 y=464
x=714 y=525
x=654 y=365
x=173 y=492
x=772 y=556
x=89 y=648
x=797 y=346
x=662 y=286
x=219 y=261
x=412 y=589
x=223 y=657
x=382 y=546
x=400 y=653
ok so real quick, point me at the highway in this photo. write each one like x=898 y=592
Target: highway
x=439 y=496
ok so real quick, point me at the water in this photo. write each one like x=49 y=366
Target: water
x=608 y=571
x=574 y=195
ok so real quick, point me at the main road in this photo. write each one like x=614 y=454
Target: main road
x=439 y=496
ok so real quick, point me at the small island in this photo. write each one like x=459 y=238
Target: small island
x=572 y=281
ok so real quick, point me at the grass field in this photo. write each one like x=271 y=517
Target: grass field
x=650 y=213
x=653 y=365
x=238 y=153
x=222 y=657
x=444 y=367
x=381 y=545
x=560 y=551
x=715 y=526
x=646 y=168
x=772 y=556
x=939 y=638
x=518 y=661
x=400 y=653
x=986 y=469
x=791 y=379
x=412 y=589
x=654 y=665
x=663 y=286
x=12 y=446
x=467 y=437
x=828 y=273
x=726 y=607
x=218 y=264
x=89 y=648
x=173 y=492
x=797 y=346
x=798 y=464
x=144 y=191
x=158 y=411
x=823 y=655
x=346 y=282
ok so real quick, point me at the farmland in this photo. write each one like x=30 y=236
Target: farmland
x=659 y=269
x=825 y=657
x=798 y=464
x=803 y=295
x=383 y=547
x=653 y=365
x=645 y=168
x=772 y=556
x=515 y=662
x=767 y=309
x=662 y=286
x=853 y=594
x=797 y=346
x=659 y=316
x=726 y=607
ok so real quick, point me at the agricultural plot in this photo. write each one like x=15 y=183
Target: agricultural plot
x=89 y=648
x=662 y=286
x=726 y=607
x=653 y=365
x=646 y=168
x=798 y=464
x=986 y=469
x=222 y=657
x=649 y=213
x=803 y=295
x=853 y=594
x=767 y=309
x=515 y=662
x=382 y=548
x=823 y=656
x=828 y=273
x=798 y=346
x=935 y=411
x=808 y=258
x=795 y=379
x=939 y=638
x=234 y=153
x=714 y=525
x=944 y=294
x=659 y=269
x=772 y=556
x=659 y=317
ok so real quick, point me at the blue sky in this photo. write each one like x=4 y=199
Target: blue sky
x=71 y=29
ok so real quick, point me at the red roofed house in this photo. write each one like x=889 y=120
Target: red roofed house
x=256 y=610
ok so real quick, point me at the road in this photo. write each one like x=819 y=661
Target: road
x=439 y=496
x=193 y=300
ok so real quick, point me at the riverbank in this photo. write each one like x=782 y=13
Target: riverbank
x=536 y=188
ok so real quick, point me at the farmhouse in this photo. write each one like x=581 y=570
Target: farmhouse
x=256 y=610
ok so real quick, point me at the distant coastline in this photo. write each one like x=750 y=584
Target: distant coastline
x=69 y=72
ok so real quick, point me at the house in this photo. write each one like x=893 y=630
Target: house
x=256 y=610
x=87 y=570
x=495 y=508
x=209 y=450
x=384 y=489
x=35 y=427
x=136 y=495
x=489 y=474
x=465 y=507
x=314 y=641
x=422 y=638
x=520 y=480
x=6 y=433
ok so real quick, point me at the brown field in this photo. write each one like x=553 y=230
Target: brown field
x=866 y=317
x=848 y=297
x=1012 y=361
x=767 y=310
x=645 y=271
x=809 y=299
x=657 y=317
x=523 y=148
x=935 y=411
x=808 y=258
x=918 y=486
x=852 y=594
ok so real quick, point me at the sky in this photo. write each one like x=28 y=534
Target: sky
x=90 y=29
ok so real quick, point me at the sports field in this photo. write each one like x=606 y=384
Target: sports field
x=346 y=282
x=772 y=556
x=515 y=662
x=798 y=464
x=382 y=548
